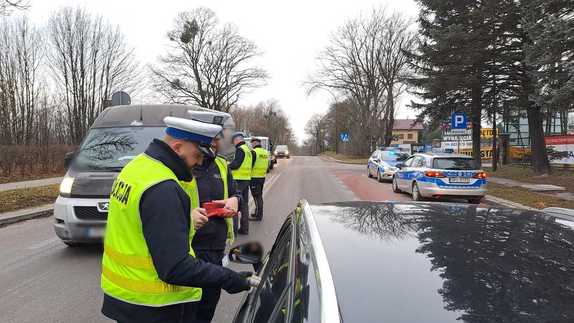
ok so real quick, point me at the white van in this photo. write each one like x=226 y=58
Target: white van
x=118 y=135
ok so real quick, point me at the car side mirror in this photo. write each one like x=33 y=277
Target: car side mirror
x=400 y=165
x=68 y=158
x=250 y=253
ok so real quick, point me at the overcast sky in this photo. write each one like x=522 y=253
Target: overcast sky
x=289 y=33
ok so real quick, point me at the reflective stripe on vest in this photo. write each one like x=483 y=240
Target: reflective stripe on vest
x=222 y=165
x=243 y=173
x=261 y=163
x=128 y=273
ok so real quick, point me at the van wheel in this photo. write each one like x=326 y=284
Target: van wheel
x=475 y=200
x=396 y=188
x=417 y=193
x=379 y=178
x=369 y=173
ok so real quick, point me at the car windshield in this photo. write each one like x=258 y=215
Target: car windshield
x=281 y=148
x=454 y=163
x=393 y=156
x=110 y=149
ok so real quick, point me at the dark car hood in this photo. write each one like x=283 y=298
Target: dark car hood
x=448 y=263
x=92 y=184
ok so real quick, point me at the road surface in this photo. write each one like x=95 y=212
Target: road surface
x=42 y=280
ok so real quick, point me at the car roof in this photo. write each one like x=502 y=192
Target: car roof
x=141 y=115
x=443 y=155
x=423 y=262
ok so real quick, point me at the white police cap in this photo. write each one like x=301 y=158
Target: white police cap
x=191 y=130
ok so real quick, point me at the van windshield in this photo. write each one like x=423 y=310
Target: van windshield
x=110 y=149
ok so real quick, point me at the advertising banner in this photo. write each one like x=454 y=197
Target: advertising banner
x=561 y=149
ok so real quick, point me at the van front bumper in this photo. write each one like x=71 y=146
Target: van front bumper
x=79 y=220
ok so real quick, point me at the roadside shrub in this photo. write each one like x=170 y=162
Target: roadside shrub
x=23 y=162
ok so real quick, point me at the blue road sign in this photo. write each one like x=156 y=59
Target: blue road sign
x=458 y=120
x=344 y=137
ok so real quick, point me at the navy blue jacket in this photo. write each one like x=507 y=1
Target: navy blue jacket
x=213 y=235
x=164 y=212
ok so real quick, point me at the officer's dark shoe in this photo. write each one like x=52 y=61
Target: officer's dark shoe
x=245 y=232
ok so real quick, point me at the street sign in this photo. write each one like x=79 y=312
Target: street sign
x=344 y=137
x=458 y=120
x=121 y=98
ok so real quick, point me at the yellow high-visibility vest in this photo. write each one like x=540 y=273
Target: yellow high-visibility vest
x=243 y=173
x=261 y=163
x=128 y=273
x=222 y=165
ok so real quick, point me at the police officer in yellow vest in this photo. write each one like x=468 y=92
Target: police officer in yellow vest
x=258 y=173
x=241 y=167
x=149 y=269
x=215 y=184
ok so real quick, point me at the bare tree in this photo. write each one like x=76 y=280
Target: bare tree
x=6 y=6
x=89 y=60
x=20 y=55
x=265 y=119
x=208 y=64
x=316 y=131
x=365 y=62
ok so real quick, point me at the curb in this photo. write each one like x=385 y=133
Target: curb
x=508 y=203
x=25 y=214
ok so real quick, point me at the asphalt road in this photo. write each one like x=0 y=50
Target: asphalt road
x=42 y=280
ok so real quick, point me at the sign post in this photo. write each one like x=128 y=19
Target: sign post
x=458 y=123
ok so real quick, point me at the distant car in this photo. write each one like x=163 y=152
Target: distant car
x=382 y=162
x=440 y=176
x=412 y=262
x=281 y=151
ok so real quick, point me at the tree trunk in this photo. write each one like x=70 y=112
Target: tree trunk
x=476 y=110
x=494 y=143
x=390 y=120
x=537 y=145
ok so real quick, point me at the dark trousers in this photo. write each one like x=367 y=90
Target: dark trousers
x=210 y=296
x=256 y=186
x=243 y=222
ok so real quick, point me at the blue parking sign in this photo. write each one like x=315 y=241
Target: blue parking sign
x=458 y=120
x=344 y=137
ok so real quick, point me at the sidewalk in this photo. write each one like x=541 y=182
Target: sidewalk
x=25 y=214
x=30 y=184
x=545 y=189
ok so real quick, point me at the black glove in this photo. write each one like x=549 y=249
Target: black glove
x=238 y=282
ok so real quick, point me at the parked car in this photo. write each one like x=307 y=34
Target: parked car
x=117 y=136
x=281 y=151
x=433 y=175
x=412 y=262
x=382 y=162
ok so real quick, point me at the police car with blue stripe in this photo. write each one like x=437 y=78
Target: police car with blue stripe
x=432 y=175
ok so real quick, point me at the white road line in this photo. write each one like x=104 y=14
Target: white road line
x=266 y=189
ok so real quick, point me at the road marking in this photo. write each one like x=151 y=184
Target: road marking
x=266 y=189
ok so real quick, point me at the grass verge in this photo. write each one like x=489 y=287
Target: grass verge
x=347 y=159
x=29 y=197
x=560 y=177
x=527 y=197
x=28 y=177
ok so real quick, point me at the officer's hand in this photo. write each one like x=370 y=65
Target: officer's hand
x=199 y=217
x=239 y=282
x=231 y=203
